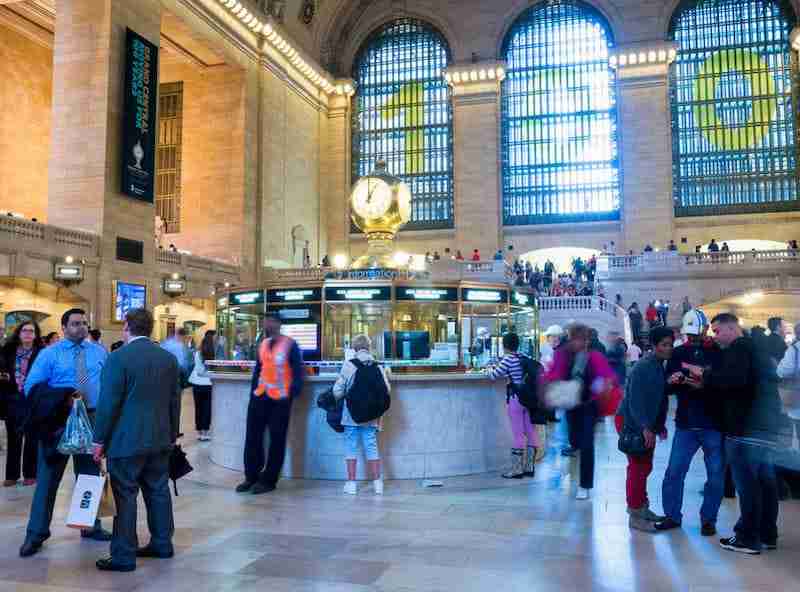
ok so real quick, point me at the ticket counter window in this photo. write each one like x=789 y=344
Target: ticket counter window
x=346 y=320
x=524 y=322
x=482 y=328
x=425 y=333
x=239 y=329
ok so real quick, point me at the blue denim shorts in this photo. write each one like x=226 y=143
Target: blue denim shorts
x=369 y=439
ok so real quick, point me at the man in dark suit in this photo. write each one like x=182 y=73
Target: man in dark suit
x=136 y=427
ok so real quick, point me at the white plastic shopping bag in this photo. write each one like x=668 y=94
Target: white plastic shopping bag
x=85 y=501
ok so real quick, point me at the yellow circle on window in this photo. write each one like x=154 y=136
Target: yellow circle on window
x=753 y=67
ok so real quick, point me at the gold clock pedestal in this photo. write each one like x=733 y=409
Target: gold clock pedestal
x=380 y=252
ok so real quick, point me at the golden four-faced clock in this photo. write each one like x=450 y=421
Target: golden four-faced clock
x=380 y=205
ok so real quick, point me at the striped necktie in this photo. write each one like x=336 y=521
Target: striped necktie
x=81 y=374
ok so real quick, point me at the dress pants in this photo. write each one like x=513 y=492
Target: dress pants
x=754 y=476
x=48 y=478
x=263 y=413
x=150 y=472
x=202 y=407
x=20 y=446
x=582 y=422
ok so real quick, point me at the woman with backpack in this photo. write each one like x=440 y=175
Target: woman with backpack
x=516 y=369
x=365 y=387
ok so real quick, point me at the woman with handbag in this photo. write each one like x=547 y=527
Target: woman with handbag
x=641 y=417
x=201 y=386
x=588 y=371
x=18 y=356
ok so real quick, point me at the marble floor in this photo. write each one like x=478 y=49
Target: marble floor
x=474 y=533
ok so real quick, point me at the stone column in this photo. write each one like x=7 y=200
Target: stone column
x=84 y=170
x=645 y=144
x=476 y=131
x=335 y=176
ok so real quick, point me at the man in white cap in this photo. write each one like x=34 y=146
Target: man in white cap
x=698 y=422
x=553 y=337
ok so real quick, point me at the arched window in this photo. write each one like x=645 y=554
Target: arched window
x=733 y=125
x=559 y=117
x=402 y=114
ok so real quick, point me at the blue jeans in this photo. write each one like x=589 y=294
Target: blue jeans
x=685 y=445
x=754 y=476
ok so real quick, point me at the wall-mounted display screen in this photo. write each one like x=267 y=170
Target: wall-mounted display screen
x=427 y=294
x=358 y=293
x=305 y=334
x=128 y=296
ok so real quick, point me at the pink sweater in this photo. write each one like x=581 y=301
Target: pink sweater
x=596 y=367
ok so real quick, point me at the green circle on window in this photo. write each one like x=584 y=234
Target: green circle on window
x=762 y=96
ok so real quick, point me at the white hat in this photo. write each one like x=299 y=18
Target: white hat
x=554 y=331
x=693 y=322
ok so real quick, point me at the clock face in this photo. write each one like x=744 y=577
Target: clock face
x=372 y=198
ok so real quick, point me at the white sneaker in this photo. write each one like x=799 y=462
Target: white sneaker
x=378 y=486
x=351 y=488
x=583 y=494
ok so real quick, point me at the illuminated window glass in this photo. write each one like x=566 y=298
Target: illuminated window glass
x=168 y=155
x=559 y=117
x=402 y=114
x=733 y=127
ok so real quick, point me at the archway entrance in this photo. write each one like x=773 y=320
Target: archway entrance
x=23 y=299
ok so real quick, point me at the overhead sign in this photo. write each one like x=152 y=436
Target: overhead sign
x=68 y=272
x=174 y=287
x=523 y=299
x=294 y=313
x=358 y=293
x=377 y=274
x=300 y=295
x=139 y=126
x=427 y=294
x=255 y=297
x=488 y=296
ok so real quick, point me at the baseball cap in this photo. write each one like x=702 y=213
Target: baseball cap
x=693 y=322
x=554 y=331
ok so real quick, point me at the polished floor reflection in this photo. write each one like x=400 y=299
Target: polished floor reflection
x=475 y=533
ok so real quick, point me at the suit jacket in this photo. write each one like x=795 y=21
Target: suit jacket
x=45 y=414
x=139 y=404
x=12 y=402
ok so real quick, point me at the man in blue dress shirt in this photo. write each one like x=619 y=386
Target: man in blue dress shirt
x=72 y=363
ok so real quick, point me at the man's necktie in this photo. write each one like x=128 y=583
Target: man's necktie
x=81 y=374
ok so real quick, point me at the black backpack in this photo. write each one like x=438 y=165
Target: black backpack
x=333 y=410
x=368 y=397
x=528 y=392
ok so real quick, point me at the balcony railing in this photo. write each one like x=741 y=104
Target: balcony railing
x=578 y=305
x=608 y=265
x=74 y=242
x=190 y=262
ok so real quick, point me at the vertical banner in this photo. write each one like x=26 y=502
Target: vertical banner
x=139 y=126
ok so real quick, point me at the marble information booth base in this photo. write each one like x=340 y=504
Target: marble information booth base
x=441 y=425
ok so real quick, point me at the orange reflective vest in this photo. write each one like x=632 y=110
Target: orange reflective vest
x=276 y=372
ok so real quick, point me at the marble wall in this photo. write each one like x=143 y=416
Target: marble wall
x=437 y=427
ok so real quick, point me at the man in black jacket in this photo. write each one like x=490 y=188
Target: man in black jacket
x=746 y=382
x=698 y=423
x=775 y=342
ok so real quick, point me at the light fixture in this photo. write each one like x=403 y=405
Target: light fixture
x=227 y=284
x=175 y=276
x=69 y=259
x=340 y=261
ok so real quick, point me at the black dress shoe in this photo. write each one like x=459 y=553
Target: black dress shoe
x=96 y=534
x=28 y=548
x=108 y=564
x=667 y=524
x=708 y=529
x=260 y=488
x=245 y=486
x=148 y=551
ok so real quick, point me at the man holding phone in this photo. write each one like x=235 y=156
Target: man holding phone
x=698 y=423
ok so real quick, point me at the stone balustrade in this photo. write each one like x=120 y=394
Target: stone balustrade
x=609 y=266
x=62 y=241
x=586 y=309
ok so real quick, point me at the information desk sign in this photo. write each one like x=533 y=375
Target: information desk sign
x=484 y=296
x=294 y=296
x=242 y=298
x=426 y=294
x=358 y=294
x=522 y=299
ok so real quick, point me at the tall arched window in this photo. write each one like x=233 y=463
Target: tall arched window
x=559 y=117
x=402 y=114
x=733 y=122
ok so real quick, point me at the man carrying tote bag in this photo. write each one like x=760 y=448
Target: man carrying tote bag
x=136 y=428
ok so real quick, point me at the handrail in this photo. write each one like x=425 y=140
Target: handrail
x=672 y=259
x=589 y=304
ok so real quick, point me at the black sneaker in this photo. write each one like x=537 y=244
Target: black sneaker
x=260 y=488
x=667 y=524
x=771 y=546
x=734 y=544
x=245 y=486
x=708 y=529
